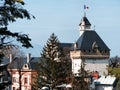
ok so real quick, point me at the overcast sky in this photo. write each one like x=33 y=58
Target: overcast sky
x=62 y=17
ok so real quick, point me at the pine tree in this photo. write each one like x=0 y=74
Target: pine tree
x=10 y=11
x=81 y=82
x=52 y=67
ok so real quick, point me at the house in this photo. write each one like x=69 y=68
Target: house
x=105 y=83
x=23 y=71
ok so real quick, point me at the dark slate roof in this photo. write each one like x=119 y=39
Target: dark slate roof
x=86 y=21
x=86 y=40
x=35 y=63
x=19 y=62
x=68 y=45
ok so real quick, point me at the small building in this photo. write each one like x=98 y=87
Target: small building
x=23 y=71
x=105 y=83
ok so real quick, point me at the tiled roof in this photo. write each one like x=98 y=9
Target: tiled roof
x=19 y=62
x=105 y=80
x=68 y=45
x=88 y=39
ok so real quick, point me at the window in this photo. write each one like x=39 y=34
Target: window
x=13 y=88
x=26 y=88
x=25 y=80
x=15 y=79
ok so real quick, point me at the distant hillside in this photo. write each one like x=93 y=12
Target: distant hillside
x=35 y=51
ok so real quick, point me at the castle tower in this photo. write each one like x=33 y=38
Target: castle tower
x=84 y=25
x=90 y=49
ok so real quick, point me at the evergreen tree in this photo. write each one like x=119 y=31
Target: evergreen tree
x=114 y=69
x=10 y=11
x=81 y=82
x=52 y=65
x=118 y=85
x=114 y=66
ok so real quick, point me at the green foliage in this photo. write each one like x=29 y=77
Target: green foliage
x=114 y=71
x=118 y=85
x=114 y=66
x=81 y=81
x=11 y=10
x=114 y=61
x=22 y=38
x=53 y=69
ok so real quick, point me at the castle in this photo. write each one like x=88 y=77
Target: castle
x=89 y=49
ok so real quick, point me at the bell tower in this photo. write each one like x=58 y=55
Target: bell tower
x=84 y=25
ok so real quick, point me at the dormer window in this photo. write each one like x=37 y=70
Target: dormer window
x=105 y=51
x=25 y=66
x=89 y=51
x=94 y=45
x=84 y=50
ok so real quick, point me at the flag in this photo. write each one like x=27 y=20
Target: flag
x=86 y=7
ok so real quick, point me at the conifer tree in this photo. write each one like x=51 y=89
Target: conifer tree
x=81 y=82
x=52 y=67
x=10 y=11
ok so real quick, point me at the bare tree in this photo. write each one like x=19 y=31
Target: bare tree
x=114 y=61
x=17 y=61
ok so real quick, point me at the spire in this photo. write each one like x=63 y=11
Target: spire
x=84 y=24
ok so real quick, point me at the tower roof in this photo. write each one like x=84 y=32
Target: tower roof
x=89 y=39
x=86 y=21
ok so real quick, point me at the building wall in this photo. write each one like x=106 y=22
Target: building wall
x=96 y=65
x=76 y=65
x=103 y=87
x=26 y=80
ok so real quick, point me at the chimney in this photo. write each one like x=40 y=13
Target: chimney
x=28 y=57
x=10 y=57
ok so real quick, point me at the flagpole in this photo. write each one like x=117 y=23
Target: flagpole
x=85 y=8
x=84 y=13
